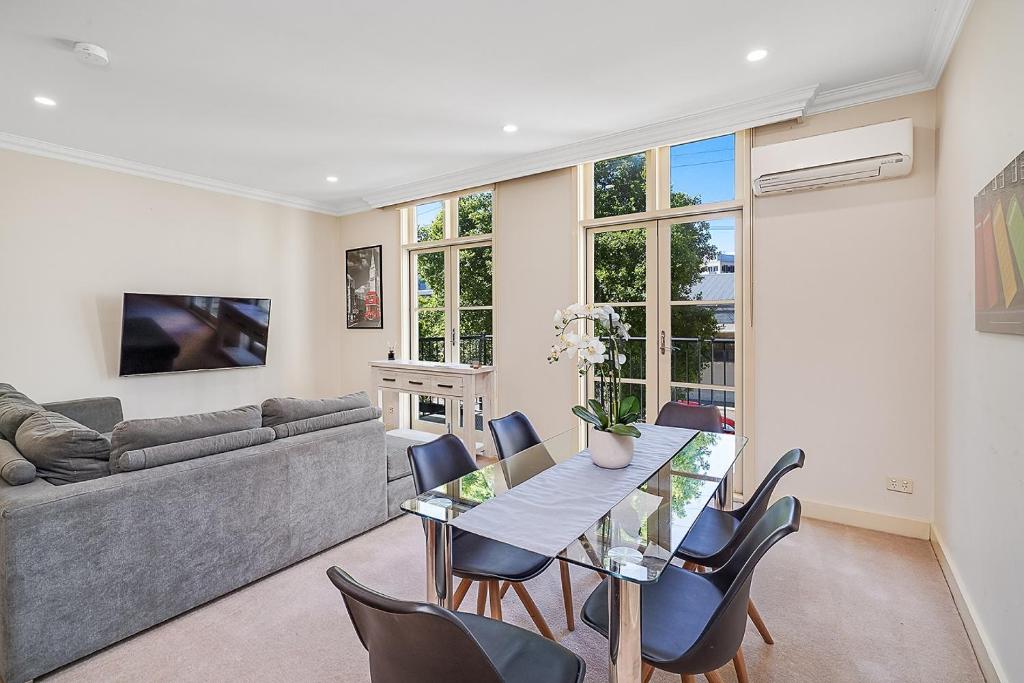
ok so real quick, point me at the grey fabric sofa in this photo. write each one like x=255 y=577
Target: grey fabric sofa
x=87 y=564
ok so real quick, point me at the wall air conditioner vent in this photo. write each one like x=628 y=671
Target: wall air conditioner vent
x=850 y=156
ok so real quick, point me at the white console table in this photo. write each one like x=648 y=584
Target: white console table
x=456 y=381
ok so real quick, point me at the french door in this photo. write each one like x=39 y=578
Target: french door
x=676 y=282
x=453 y=320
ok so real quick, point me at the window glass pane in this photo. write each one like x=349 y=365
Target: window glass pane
x=703 y=171
x=430 y=221
x=703 y=260
x=620 y=185
x=430 y=279
x=704 y=344
x=638 y=389
x=430 y=409
x=475 y=276
x=620 y=265
x=635 y=349
x=725 y=400
x=475 y=214
x=476 y=337
x=430 y=328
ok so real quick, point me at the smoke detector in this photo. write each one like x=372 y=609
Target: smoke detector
x=92 y=54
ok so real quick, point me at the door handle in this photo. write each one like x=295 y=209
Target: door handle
x=662 y=345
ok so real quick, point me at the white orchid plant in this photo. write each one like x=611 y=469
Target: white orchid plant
x=602 y=353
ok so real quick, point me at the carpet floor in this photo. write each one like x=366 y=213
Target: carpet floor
x=843 y=604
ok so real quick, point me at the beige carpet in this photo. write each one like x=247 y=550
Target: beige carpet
x=844 y=604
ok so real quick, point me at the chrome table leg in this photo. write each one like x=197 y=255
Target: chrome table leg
x=439 y=563
x=623 y=631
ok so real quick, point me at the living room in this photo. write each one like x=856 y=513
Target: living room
x=265 y=270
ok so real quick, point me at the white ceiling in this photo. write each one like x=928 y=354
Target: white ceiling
x=268 y=98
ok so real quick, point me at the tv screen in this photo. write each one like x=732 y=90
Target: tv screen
x=170 y=333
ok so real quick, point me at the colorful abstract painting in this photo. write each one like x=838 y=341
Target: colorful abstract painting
x=999 y=252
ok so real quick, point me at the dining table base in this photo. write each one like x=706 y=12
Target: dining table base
x=624 y=660
x=439 y=563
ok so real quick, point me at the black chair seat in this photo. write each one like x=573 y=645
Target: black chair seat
x=674 y=613
x=521 y=656
x=478 y=558
x=709 y=539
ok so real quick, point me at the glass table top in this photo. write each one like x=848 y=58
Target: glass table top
x=638 y=536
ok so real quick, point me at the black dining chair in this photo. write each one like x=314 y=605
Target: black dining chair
x=693 y=623
x=701 y=418
x=415 y=641
x=716 y=534
x=476 y=558
x=513 y=434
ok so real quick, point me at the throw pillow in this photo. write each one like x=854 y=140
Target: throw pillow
x=155 y=456
x=14 y=468
x=313 y=424
x=15 y=407
x=63 y=451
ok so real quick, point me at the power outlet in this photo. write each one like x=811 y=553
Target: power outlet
x=899 y=485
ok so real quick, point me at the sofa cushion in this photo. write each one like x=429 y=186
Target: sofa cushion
x=277 y=411
x=155 y=456
x=6 y=388
x=312 y=424
x=133 y=435
x=398 y=456
x=63 y=451
x=15 y=407
x=14 y=468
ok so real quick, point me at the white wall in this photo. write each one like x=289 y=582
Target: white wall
x=74 y=238
x=979 y=500
x=843 y=329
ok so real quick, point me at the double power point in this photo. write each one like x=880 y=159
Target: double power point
x=899 y=485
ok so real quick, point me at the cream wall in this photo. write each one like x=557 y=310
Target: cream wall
x=843 y=330
x=979 y=499
x=534 y=273
x=73 y=238
x=360 y=346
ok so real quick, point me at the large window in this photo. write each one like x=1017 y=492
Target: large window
x=451 y=275
x=663 y=240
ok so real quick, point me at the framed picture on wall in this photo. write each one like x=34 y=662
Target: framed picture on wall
x=999 y=252
x=362 y=288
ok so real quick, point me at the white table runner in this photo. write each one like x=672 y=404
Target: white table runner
x=551 y=510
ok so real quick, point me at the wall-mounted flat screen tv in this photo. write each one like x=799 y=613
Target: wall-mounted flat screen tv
x=171 y=333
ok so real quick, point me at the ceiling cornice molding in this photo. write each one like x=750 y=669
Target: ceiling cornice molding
x=906 y=83
x=945 y=30
x=716 y=121
x=52 y=150
x=349 y=206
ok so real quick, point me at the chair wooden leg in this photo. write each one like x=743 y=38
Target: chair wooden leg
x=460 y=593
x=570 y=618
x=646 y=671
x=531 y=607
x=713 y=677
x=755 y=617
x=481 y=598
x=495 y=597
x=741 y=666
x=504 y=588
x=689 y=566
x=687 y=678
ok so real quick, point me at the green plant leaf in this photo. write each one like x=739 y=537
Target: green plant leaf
x=587 y=416
x=630 y=405
x=624 y=430
x=599 y=411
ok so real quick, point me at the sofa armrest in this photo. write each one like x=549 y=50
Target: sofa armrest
x=100 y=413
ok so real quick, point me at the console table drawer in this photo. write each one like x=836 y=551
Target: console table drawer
x=422 y=383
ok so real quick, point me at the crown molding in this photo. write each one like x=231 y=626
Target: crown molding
x=51 y=150
x=906 y=83
x=782 y=106
x=945 y=30
x=349 y=206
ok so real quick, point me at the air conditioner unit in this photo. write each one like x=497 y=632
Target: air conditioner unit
x=878 y=152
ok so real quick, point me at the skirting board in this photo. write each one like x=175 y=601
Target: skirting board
x=990 y=668
x=901 y=526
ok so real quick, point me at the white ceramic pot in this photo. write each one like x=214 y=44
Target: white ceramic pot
x=611 y=451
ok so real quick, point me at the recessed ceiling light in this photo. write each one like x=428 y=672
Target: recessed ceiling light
x=45 y=101
x=510 y=128
x=331 y=178
x=756 y=55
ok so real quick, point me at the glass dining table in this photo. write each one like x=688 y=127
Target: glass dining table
x=631 y=543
